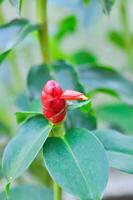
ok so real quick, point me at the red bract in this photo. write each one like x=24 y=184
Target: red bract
x=54 y=101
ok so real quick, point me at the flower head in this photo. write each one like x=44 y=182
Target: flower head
x=54 y=104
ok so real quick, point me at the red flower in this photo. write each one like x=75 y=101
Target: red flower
x=54 y=101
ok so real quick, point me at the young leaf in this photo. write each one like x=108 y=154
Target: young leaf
x=119 y=149
x=78 y=163
x=117 y=38
x=76 y=105
x=12 y=34
x=17 y=4
x=107 y=5
x=23 y=148
x=28 y=192
x=66 y=26
x=22 y=116
x=97 y=78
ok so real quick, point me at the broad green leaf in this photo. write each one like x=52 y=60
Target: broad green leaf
x=22 y=116
x=119 y=116
x=78 y=163
x=28 y=192
x=62 y=72
x=23 y=148
x=107 y=80
x=67 y=76
x=12 y=34
x=37 y=77
x=107 y=5
x=80 y=119
x=119 y=149
x=80 y=115
x=66 y=26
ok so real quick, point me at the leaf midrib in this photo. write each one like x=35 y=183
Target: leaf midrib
x=78 y=166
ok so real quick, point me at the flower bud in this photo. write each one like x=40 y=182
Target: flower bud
x=54 y=101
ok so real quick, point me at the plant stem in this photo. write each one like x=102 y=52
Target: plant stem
x=58 y=130
x=43 y=32
x=57 y=191
x=126 y=31
x=45 y=51
x=1 y=16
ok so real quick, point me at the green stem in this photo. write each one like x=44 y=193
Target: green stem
x=1 y=16
x=57 y=191
x=43 y=32
x=58 y=130
x=126 y=31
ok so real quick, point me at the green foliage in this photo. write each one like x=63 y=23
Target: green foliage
x=84 y=57
x=28 y=192
x=79 y=119
x=1 y=1
x=117 y=39
x=76 y=105
x=66 y=26
x=77 y=158
x=86 y=167
x=118 y=116
x=12 y=33
x=98 y=78
x=23 y=148
x=39 y=75
x=24 y=115
x=107 y=5
x=119 y=149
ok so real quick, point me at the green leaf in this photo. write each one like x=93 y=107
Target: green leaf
x=12 y=34
x=1 y=1
x=67 y=76
x=118 y=116
x=62 y=72
x=107 y=80
x=83 y=57
x=119 y=149
x=82 y=118
x=76 y=105
x=79 y=119
x=22 y=116
x=66 y=26
x=23 y=148
x=117 y=38
x=107 y=5
x=17 y=4
x=37 y=77
x=28 y=192
x=78 y=163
